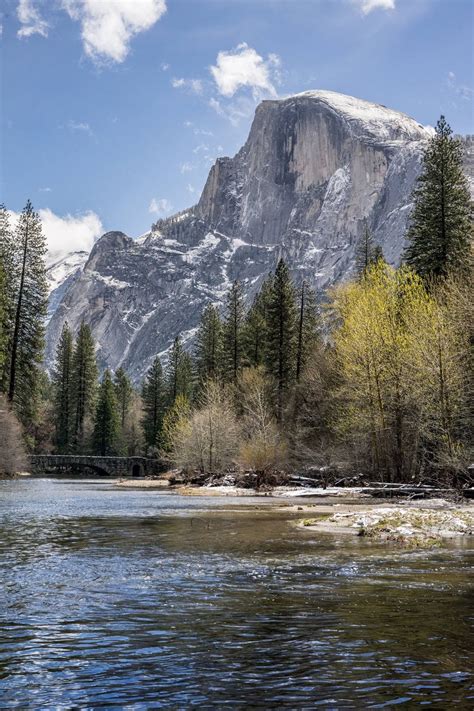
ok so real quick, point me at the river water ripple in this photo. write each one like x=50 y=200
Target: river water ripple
x=114 y=598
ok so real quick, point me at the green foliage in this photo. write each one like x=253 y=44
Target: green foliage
x=84 y=385
x=209 y=344
x=367 y=252
x=106 y=435
x=179 y=373
x=154 y=399
x=281 y=334
x=123 y=393
x=233 y=345
x=178 y=413
x=402 y=360
x=30 y=299
x=254 y=328
x=440 y=233
x=9 y=263
x=62 y=384
x=307 y=328
x=3 y=317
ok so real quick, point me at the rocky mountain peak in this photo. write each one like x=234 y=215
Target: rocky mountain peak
x=315 y=169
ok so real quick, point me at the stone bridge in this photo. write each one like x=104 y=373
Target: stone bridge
x=104 y=466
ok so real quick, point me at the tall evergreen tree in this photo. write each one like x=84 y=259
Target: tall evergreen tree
x=84 y=384
x=253 y=335
x=440 y=233
x=179 y=373
x=30 y=309
x=233 y=346
x=367 y=252
x=209 y=344
x=9 y=264
x=62 y=384
x=281 y=334
x=106 y=421
x=3 y=318
x=153 y=397
x=307 y=327
x=123 y=393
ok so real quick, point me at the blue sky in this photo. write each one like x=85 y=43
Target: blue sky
x=112 y=111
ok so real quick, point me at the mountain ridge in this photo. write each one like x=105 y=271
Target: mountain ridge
x=316 y=167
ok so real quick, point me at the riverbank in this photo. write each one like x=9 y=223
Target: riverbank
x=419 y=524
x=346 y=511
x=224 y=490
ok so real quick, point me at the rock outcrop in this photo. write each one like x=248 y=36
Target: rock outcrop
x=315 y=168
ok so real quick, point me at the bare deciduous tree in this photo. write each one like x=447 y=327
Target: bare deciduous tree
x=263 y=447
x=12 y=453
x=208 y=440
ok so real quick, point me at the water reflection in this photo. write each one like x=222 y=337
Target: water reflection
x=118 y=598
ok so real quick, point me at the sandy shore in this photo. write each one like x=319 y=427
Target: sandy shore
x=143 y=483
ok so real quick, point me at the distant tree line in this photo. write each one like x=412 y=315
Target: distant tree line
x=377 y=378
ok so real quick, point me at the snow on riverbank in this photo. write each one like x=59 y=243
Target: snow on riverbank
x=418 y=525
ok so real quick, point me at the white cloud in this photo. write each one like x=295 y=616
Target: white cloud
x=185 y=168
x=45 y=190
x=31 y=20
x=160 y=207
x=108 y=26
x=202 y=132
x=367 y=6
x=164 y=66
x=201 y=148
x=242 y=107
x=190 y=188
x=244 y=67
x=462 y=90
x=194 y=85
x=79 y=126
x=71 y=233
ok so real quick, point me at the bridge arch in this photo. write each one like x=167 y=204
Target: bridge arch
x=136 y=470
x=108 y=466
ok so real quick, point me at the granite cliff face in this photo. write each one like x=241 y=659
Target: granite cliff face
x=315 y=167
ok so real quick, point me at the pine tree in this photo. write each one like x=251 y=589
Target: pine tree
x=62 y=384
x=440 y=233
x=281 y=333
x=233 y=346
x=9 y=266
x=367 y=252
x=179 y=373
x=3 y=318
x=153 y=396
x=307 y=327
x=253 y=335
x=209 y=344
x=106 y=420
x=84 y=383
x=123 y=393
x=30 y=309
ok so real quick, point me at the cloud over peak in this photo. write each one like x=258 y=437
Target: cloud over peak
x=244 y=67
x=160 y=207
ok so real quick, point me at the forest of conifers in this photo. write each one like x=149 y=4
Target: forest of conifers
x=374 y=376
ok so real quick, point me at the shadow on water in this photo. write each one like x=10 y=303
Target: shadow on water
x=117 y=598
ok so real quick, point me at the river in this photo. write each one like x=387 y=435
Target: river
x=137 y=599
